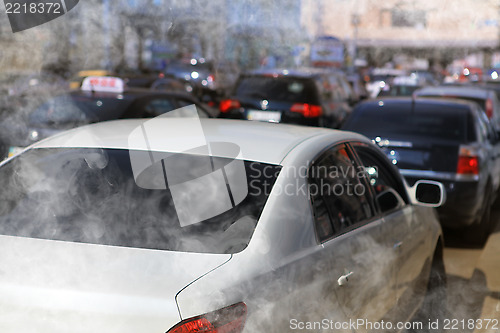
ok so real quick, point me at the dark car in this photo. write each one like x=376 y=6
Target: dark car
x=304 y=96
x=486 y=98
x=451 y=141
x=210 y=80
x=170 y=83
x=80 y=107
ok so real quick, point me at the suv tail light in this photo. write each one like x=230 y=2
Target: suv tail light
x=228 y=104
x=307 y=110
x=230 y=319
x=489 y=108
x=468 y=161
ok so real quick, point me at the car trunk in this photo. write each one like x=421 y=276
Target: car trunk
x=423 y=154
x=56 y=286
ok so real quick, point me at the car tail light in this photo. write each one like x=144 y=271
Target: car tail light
x=468 y=162
x=489 y=108
x=227 y=320
x=307 y=110
x=228 y=104
x=210 y=78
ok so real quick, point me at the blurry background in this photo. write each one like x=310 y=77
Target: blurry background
x=142 y=34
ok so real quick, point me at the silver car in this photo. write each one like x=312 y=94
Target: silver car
x=188 y=225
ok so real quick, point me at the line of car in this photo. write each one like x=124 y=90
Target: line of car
x=181 y=223
x=306 y=96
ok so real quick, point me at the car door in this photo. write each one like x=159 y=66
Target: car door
x=404 y=235
x=349 y=231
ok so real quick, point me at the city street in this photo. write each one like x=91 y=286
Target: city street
x=473 y=279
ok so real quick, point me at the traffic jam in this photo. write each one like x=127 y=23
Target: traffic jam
x=166 y=172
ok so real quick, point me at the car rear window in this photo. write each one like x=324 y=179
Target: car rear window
x=398 y=90
x=437 y=121
x=281 y=88
x=92 y=196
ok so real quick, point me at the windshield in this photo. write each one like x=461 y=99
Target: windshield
x=91 y=196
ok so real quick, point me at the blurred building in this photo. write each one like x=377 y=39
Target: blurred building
x=21 y=52
x=440 y=30
x=263 y=32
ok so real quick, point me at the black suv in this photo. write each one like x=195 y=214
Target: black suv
x=448 y=140
x=312 y=97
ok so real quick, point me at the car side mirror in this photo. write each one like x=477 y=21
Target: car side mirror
x=427 y=193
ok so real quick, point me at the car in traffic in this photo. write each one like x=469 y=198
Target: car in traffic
x=486 y=98
x=380 y=77
x=306 y=96
x=100 y=98
x=402 y=86
x=171 y=83
x=447 y=140
x=210 y=80
x=181 y=224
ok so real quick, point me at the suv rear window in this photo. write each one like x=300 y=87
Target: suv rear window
x=281 y=88
x=398 y=120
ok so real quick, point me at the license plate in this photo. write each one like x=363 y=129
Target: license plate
x=270 y=116
x=14 y=150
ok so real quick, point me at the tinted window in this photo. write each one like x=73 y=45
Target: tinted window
x=380 y=177
x=91 y=196
x=338 y=195
x=286 y=89
x=398 y=119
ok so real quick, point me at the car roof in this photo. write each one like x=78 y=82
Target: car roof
x=258 y=141
x=465 y=91
x=304 y=72
x=132 y=93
